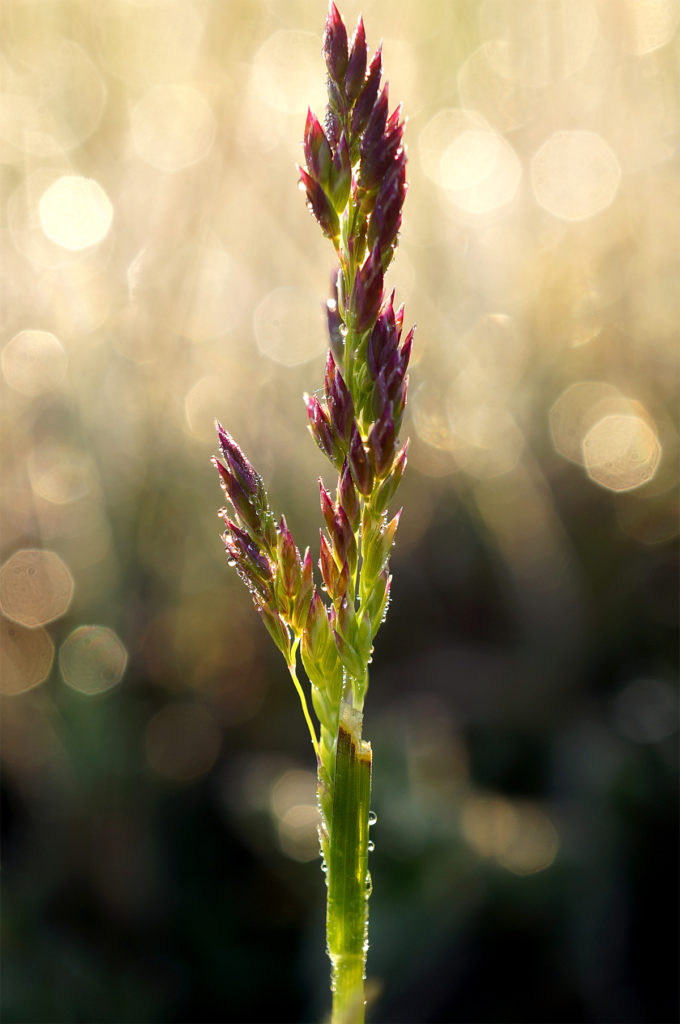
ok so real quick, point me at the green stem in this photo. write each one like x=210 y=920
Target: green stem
x=347 y=907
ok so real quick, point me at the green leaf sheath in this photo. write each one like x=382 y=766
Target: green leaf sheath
x=347 y=877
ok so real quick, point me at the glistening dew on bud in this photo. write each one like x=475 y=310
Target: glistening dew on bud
x=354 y=179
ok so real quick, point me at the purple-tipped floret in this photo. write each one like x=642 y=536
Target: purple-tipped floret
x=356 y=65
x=335 y=45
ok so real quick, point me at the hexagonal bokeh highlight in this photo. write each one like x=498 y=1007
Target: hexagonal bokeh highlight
x=92 y=659
x=36 y=587
x=26 y=657
x=621 y=452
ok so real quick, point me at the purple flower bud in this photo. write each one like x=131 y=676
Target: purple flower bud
x=367 y=293
x=381 y=395
x=388 y=488
x=377 y=550
x=321 y=429
x=336 y=331
x=332 y=119
x=381 y=154
x=367 y=96
x=340 y=178
x=238 y=464
x=391 y=529
x=249 y=553
x=356 y=66
x=376 y=343
x=329 y=570
x=320 y=205
x=359 y=463
x=375 y=127
x=317 y=629
x=238 y=555
x=405 y=350
x=381 y=441
x=340 y=405
x=327 y=508
x=347 y=496
x=316 y=149
x=344 y=541
x=290 y=566
x=383 y=340
x=304 y=594
x=345 y=619
x=342 y=585
x=242 y=502
x=276 y=627
x=386 y=217
x=351 y=661
x=335 y=45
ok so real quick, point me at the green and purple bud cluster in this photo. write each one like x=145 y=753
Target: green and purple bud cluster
x=355 y=183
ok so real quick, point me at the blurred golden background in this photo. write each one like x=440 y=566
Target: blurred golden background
x=159 y=269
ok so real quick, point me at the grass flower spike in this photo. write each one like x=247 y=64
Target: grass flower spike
x=354 y=178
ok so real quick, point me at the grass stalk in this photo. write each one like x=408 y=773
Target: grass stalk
x=355 y=184
x=347 y=877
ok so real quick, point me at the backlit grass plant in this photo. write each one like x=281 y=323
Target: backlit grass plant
x=355 y=183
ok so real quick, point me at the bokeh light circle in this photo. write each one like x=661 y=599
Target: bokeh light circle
x=296 y=812
x=173 y=127
x=36 y=587
x=54 y=97
x=621 y=452
x=576 y=410
x=478 y=169
x=75 y=212
x=518 y=835
x=92 y=659
x=285 y=70
x=575 y=174
x=34 y=362
x=289 y=326
x=26 y=657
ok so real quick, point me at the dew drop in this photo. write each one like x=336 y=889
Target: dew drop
x=372 y=818
x=371 y=846
x=231 y=562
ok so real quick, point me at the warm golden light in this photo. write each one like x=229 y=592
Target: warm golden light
x=25 y=657
x=480 y=171
x=517 y=834
x=173 y=127
x=60 y=474
x=575 y=411
x=58 y=96
x=646 y=25
x=289 y=326
x=621 y=452
x=75 y=212
x=294 y=806
x=36 y=587
x=575 y=174
x=285 y=71
x=34 y=362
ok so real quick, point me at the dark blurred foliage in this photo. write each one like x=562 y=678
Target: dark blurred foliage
x=158 y=813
